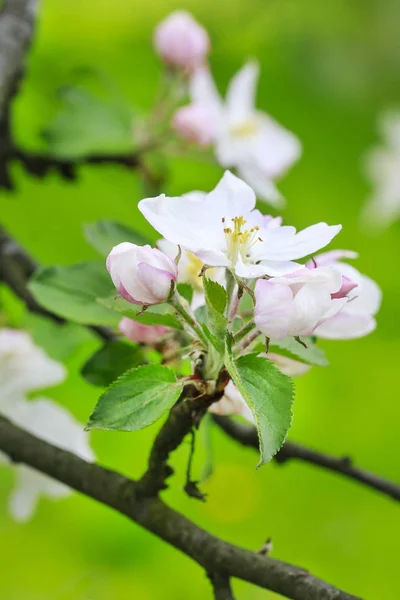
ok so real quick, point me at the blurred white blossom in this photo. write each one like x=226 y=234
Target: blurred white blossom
x=244 y=138
x=382 y=167
x=24 y=367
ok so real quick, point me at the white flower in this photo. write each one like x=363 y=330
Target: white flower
x=356 y=317
x=54 y=424
x=24 y=368
x=383 y=169
x=223 y=230
x=245 y=138
x=181 y=41
x=141 y=274
x=296 y=304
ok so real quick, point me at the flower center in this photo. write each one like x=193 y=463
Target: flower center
x=193 y=268
x=245 y=129
x=239 y=241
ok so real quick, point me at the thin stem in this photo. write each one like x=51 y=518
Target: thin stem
x=242 y=333
x=249 y=339
x=191 y=487
x=230 y=288
x=188 y=317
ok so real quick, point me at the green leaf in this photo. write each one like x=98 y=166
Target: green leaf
x=71 y=292
x=104 y=235
x=111 y=361
x=89 y=124
x=160 y=314
x=217 y=342
x=312 y=355
x=136 y=399
x=269 y=394
x=186 y=291
x=216 y=321
x=215 y=295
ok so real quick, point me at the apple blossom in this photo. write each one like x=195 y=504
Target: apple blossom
x=245 y=138
x=383 y=169
x=181 y=41
x=140 y=333
x=296 y=304
x=141 y=274
x=223 y=230
x=356 y=318
x=194 y=124
x=24 y=367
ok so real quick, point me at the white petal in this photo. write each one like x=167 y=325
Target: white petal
x=195 y=222
x=329 y=276
x=274 y=308
x=271 y=268
x=240 y=98
x=327 y=258
x=366 y=298
x=25 y=367
x=278 y=148
x=53 y=423
x=346 y=326
x=288 y=366
x=311 y=303
x=284 y=243
x=235 y=196
x=263 y=186
x=24 y=498
x=204 y=91
x=389 y=124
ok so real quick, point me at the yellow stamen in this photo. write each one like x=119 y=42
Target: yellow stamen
x=245 y=129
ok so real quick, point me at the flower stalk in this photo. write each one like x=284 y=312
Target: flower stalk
x=186 y=315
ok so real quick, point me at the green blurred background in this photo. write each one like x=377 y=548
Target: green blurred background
x=328 y=69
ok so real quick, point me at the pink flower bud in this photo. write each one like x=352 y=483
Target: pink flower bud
x=140 y=333
x=141 y=274
x=194 y=123
x=181 y=41
x=347 y=286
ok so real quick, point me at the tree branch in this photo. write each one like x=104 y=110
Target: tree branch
x=120 y=493
x=16 y=31
x=16 y=268
x=183 y=417
x=40 y=164
x=247 y=436
x=221 y=586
